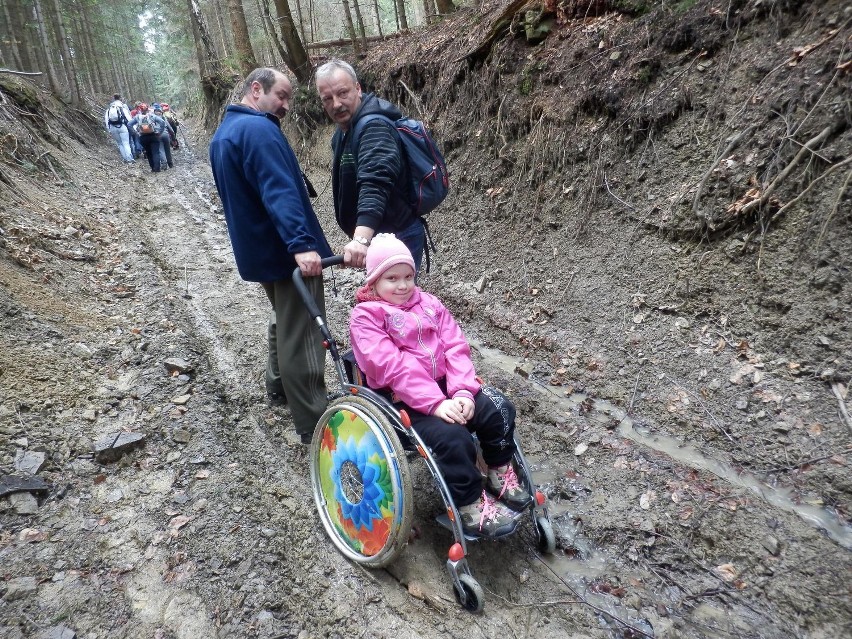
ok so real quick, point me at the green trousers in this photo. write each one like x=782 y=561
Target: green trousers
x=296 y=359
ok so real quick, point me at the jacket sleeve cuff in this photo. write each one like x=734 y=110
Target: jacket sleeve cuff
x=463 y=393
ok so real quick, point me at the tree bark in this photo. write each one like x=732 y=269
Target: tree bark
x=242 y=42
x=68 y=62
x=270 y=35
x=400 y=12
x=297 y=57
x=350 y=27
x=301 y=20
x=361 y=32
x=13 y=38
x=45 y=42
x=214 y=85
x=378 y=17
x=99 y=78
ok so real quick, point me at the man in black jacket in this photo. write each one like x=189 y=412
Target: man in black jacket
x=371 y=192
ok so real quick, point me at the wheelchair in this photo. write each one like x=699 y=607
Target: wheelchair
x=361 y=479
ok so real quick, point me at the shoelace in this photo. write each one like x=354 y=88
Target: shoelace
x=489 y=510
x=509 y=479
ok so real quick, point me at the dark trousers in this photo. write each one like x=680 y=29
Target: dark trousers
x=297 y=354
x=454 y=449
x=151 y=144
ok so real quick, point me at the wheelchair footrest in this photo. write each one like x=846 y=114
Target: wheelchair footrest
x=444 y=520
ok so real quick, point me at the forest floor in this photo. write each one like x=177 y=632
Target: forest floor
x=682 y=390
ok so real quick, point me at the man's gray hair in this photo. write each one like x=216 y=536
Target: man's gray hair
x=333 y=65
x=266 y=76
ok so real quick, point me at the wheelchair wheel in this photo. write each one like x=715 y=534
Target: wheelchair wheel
x=361 y=482
x=474 y=597
x=545 y=535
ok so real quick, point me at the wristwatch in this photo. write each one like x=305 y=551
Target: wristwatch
x=361 y=240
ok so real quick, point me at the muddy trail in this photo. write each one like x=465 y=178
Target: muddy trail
x=682 y=395
x=208 y=527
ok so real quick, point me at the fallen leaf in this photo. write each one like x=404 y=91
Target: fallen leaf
x=646 y=498
x=31 y=535
x=178 y=522
x=202 y=474
x=726 y=571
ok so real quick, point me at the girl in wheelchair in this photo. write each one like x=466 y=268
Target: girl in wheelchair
x=411 y=349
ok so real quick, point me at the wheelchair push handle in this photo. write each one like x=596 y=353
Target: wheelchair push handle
x=299 y=283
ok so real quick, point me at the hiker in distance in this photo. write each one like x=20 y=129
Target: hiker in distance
x=370 y=189
x=116 y=117
x=274 y=229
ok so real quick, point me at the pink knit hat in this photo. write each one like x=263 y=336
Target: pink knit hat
x=384 y=252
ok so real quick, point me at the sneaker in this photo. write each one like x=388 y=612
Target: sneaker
x=485 y=518
x=503 y=483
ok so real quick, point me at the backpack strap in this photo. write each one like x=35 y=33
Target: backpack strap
x=355 y=132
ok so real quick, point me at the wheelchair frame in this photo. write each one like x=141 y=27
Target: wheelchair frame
x=361 y=481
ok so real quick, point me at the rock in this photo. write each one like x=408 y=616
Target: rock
x=20 y=588
x=12 y=484
x=772 y=545
x=182 y=436
x=115 y=445
x=480 y=284
x=58 y=632
x=181 y=400
x=24 y=503
x=177 y=365
x=524 y=370
x=90 y=415
x=81 y=350
x=29 y=462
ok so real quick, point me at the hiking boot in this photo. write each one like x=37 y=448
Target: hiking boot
x=486 y=518
x=307 y=438
x=503 y=483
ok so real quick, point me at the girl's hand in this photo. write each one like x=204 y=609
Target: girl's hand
x=466 y=407
x=450 y=412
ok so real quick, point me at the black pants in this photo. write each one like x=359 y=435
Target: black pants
x=454 y=449
x=151 y=144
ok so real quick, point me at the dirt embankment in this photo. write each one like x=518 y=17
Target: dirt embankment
x=649 y=239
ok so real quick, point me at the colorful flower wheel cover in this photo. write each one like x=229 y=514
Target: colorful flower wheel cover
x=360 y=491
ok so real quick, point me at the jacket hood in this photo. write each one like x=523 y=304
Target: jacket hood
x=371 y=104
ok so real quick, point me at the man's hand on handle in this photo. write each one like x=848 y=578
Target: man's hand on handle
x=310 y=263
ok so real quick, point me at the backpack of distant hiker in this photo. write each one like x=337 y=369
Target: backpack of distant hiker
x=116 y=115
x=429 y=181
x=147 y=125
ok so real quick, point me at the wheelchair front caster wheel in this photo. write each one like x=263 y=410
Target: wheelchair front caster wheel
x=546 y=537
x=472 y=599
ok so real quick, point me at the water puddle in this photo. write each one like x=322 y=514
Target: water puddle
x=678 y=450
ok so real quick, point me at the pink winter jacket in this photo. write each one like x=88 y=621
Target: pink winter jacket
x=408 y=348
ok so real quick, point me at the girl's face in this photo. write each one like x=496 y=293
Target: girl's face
x=396 y=285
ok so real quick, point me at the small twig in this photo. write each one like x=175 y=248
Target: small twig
x=585 y=602
x=835 y=388
x=805 y=150
x=833 y=211
x=629 y=206
x=20 y=72
x=699 y=190
x=633 y=398
x=781 y=469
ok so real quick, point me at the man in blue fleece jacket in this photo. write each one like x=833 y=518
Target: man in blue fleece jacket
x=370 y=190
x=273 y=229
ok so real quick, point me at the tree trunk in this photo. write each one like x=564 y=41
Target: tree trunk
x=215 y=86
x=45 y=43
x=400 y=12
x=445 y=6
x=65 y=48
x=24 y=35
x=301 y=20
x=270 y=35
x=99 y=78
x=298 y=58
x=222 y=32
x=360 y=21
x=378 y=17
x=242 y=43
x=350 y=27
x=285 y=57
x=13 y=39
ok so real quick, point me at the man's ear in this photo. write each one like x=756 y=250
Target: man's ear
x=358 y=86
